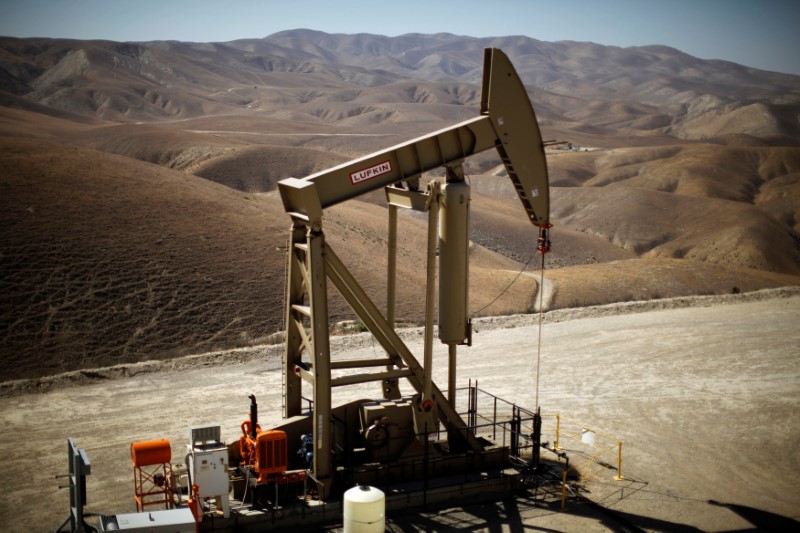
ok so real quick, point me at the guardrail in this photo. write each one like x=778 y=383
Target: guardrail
x=600 y=451
x=585 y=450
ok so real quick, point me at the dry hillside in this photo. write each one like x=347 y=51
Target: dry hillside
x=107 y=260
x=140 y=219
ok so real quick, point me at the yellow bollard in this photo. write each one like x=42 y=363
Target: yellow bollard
x=563 y=488
x=619 y=477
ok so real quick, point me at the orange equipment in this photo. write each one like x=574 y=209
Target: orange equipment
x=268 y=454
x=272 y=454
x=266 y=451
x=196 y=506
x=247 y=443
x=152 y=473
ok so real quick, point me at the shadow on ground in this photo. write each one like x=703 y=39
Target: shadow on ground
x=761 y=520
x=524 y=514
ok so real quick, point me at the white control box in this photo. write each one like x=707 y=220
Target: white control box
x=210 y=471
x=208 y=466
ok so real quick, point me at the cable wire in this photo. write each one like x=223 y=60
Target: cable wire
x=539 y=343
x=528 y=262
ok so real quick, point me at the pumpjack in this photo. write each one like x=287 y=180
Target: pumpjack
x=506 y=123
x=393 y=440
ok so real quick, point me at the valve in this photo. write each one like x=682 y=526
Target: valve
x=306 y=451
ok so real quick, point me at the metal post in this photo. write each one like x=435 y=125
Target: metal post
x=430 y=298
x=320 y=342
x=494 y=419
x=79 y=468
x=391 y=274
x=619 y=477
x=537 y=439
x=451 y=375
x=293 y=319
x=475 y=404
x=471 y=402
x=515 y=423
x=391 y=387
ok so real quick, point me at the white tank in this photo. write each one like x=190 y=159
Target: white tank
x=364 y=510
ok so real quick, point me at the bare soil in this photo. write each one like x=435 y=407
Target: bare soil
x=140 y=224
x=702 y=391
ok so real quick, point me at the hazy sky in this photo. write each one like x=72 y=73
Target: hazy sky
x=758 y=33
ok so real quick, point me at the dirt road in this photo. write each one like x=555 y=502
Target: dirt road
x=705 y=395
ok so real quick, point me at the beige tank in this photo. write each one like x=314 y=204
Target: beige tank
x=454 y=263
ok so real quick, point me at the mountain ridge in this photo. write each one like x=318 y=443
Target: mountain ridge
x=668 y=92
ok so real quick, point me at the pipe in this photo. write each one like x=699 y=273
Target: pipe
x=253 y=416
x=188 y=473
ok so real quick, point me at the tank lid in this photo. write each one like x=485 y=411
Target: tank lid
x=364 y=494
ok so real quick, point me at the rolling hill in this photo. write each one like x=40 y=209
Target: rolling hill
x=109 y=260
x=140 y=218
